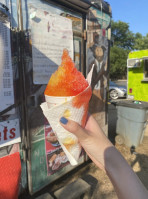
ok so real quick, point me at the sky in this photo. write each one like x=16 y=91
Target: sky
x=134 y=12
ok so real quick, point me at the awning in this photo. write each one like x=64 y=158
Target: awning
x=84 y=5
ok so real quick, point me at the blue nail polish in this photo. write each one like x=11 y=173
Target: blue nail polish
x=63 y=120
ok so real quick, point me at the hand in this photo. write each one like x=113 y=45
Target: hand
x=104 y=155
x=92 y=139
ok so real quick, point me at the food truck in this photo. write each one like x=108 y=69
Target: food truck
x=33 y=34
x=137 y=75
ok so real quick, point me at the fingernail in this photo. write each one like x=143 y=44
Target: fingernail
x=63 y=120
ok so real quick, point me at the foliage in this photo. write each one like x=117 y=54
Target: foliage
x=123 y=41
x=118 y=60
x=121 y=35
x=141 y=43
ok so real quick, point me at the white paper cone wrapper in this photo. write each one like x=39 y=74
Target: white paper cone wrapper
x=74 y=108
x=53 y=101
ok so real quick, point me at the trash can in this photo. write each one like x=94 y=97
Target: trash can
x=132 y=119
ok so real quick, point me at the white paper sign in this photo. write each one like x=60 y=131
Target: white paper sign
x=50 y=35
x=6 y=74
x=9 y=132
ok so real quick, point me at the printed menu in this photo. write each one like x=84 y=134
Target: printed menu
x=6 y=73
x=50 y=34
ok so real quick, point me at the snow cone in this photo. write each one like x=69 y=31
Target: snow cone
x=67 y=94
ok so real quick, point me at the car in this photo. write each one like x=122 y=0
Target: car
x=116 y=91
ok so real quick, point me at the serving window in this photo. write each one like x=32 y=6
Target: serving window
x=146 y=69
x=133 y=63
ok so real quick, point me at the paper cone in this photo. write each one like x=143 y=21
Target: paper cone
x=53 y=101
x=75 y=108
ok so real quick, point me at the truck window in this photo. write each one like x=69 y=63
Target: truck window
x=146 y=68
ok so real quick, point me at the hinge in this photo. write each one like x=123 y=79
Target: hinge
x=26 y=150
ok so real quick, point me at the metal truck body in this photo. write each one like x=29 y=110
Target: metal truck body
x=137 y=73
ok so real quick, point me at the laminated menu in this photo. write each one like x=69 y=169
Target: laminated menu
x=67 y=94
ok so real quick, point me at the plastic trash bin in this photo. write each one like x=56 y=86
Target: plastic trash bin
x=132 y=119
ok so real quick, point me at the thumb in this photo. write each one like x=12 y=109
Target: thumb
x=74 y=128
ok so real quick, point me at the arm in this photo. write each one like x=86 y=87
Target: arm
x=126 y=183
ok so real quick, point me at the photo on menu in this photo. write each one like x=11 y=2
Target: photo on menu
x=56 y=161
x=55 y=156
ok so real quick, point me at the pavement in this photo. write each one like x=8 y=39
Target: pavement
x=74 y=190
x=121 y=82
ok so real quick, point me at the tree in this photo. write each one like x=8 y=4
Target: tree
x=118 y=62
x=141 y=43
x=121 y=35
x=123 y=41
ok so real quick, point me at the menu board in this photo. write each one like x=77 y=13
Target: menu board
x=50 y=34
x=6 y=74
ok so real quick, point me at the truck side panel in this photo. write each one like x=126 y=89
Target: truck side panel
x=136 y=76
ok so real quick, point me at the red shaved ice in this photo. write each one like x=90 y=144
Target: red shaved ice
x=67 y=80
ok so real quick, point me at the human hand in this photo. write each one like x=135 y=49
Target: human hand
x=91 y=138
x=105 y=156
